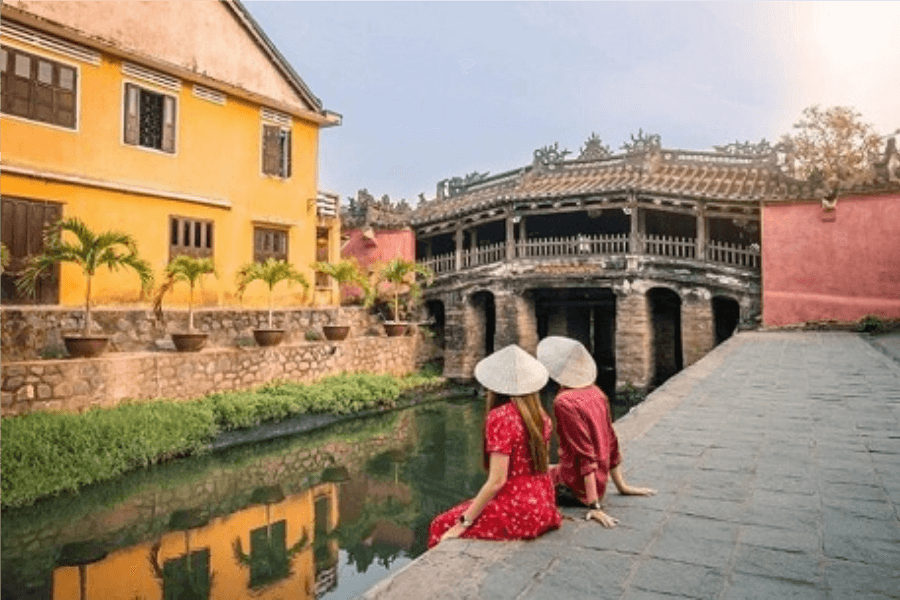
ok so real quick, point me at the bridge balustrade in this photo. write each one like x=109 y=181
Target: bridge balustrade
x=725 y=253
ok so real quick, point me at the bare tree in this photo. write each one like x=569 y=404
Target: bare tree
x=832 y=147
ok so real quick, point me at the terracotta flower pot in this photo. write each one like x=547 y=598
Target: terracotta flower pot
x=189 y=342
x=268 y=337
x=336 y=333
x=394 y=329
x=79 y=346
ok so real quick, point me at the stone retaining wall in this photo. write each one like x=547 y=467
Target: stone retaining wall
x=80 y=384
x=31 y=332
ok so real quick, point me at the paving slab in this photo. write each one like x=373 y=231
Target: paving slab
x=777 y=460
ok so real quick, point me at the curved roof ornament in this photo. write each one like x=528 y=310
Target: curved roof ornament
x=594 y=149
x=644 y=142
x=550 y=155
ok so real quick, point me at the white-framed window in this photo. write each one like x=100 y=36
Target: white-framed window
x=150 y=118
x=276 y=150
x=38 y=88
x=269 y=242
x=190 y=236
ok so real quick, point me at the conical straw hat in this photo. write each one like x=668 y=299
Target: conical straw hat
x=568 y=362
x=511 y=371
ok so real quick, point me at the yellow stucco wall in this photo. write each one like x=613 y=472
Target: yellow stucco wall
x=128 y=572
x=111 y=184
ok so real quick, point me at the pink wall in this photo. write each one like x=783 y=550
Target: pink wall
x=388 y=244
x=817 y=269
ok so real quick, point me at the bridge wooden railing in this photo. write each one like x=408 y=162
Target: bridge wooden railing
x=746 y=257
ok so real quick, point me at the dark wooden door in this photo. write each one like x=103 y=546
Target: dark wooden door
x=23 y=223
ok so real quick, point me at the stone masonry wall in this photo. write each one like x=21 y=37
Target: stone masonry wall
x=633 y=339
x=80 y=384
x=507 y=331
x=698 y=328
x=32 y=332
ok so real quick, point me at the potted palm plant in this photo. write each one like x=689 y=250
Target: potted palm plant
x=90 y=251
x=401 y=273
x=191 y=270
x=4 y=257
x=271 y=272
x=344 y=272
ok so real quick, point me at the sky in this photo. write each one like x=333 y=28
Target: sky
x=433 y=90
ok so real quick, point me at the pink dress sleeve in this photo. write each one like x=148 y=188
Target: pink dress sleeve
x=498 y=433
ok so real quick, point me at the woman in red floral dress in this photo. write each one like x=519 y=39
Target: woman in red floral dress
x=518 y=500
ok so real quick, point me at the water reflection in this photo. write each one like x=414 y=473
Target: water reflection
x=271 y=520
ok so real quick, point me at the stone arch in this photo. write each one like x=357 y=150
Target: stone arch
x=726 y=316
x=437 y=321
x=484 y=321
x=665 y=334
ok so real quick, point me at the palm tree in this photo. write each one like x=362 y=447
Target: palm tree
x=190 y=270
x=400 y=272
x=346 y=271
x=89 y=250
x=271 y=273
x=4 y=257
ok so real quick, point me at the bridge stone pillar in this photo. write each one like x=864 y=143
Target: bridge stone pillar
x=463 y=337
x=698 y=327
x=634 y=337
x=516 y=321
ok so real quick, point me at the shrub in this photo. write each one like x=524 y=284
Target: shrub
x=48 y=453
x=870 y=324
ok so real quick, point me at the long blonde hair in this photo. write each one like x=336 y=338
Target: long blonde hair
x=533 y=415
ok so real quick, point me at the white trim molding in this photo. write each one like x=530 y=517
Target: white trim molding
x=150 y=76
x=115 y=186
x=274 y=221
x=31 y=37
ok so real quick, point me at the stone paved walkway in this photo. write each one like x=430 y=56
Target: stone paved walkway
x=777 y=460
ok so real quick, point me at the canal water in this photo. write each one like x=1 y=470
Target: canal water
x=323 y=515
x=320 y=515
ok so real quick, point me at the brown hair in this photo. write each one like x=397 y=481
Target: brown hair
x=529 y=407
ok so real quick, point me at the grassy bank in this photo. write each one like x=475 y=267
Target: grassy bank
x=47 y=453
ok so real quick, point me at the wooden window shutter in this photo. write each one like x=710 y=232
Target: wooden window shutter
x=4 y=79
x=287 y=154
x=64 y=100
x=271 y=150
x=19 y=79
x=168 y=135
x=42 y=91
x=132 y=114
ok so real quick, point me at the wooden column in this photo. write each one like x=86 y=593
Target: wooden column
x=459 y=248
x=510 y=236
x=637 y=225
x=701 y=232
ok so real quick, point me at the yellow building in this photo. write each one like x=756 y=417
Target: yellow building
x=258 y=552
x=179 y=123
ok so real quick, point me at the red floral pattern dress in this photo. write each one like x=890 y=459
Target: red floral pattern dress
x=587 y=440
x=525 y=507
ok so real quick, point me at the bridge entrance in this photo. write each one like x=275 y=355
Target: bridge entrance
x=665 y=308
x=587 y=315
x=726 y=314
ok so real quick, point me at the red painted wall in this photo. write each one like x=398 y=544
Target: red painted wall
x=388 y=244
x=815 y=269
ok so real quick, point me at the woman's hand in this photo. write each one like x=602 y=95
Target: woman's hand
x=601 y=517
x=630 y=490
x=453 y=532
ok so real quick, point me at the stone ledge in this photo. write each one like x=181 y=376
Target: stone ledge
x=75 y=385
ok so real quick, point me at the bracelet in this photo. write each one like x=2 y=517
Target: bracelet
x=464 y=521
x=595 y=505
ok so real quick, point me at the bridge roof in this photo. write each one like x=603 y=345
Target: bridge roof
x=678 y=173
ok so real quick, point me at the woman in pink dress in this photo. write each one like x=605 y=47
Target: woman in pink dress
x=588 y=447
x=518 y=500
